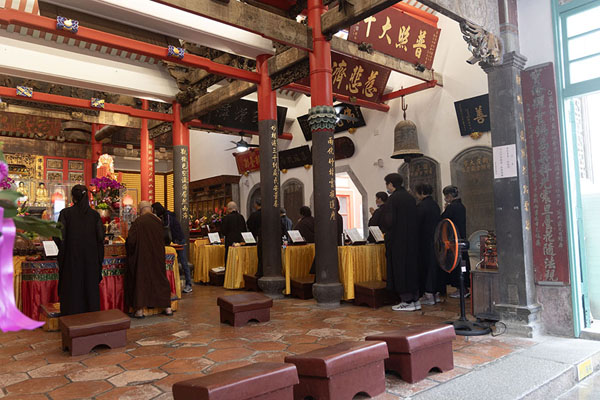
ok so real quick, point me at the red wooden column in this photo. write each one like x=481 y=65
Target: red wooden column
x=272 y=283
x=327 y=289
x=146 y=160
x=96 y=149
x=181 y=180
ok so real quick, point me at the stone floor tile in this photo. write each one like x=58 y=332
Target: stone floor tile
x=164 y=396
x=226 y=344
x=166 y=384
x=150 y=350
x=228 y=354
x=25 y=397
x=106 y=360
x=95 y=373
x=294 y=339
x=189 y=352
x=266 y=346
x=469 y=360
x=9 y=379
x=145 y=362
x=36 y=385
x=227 y=365
x=136 y=377
x=271 y=356
x=191 y=365
x=139 y=392
x=487 y=350
x=55 y=370
x=21 y=366
x=80 y=390
x=446 y=376
x=396 y=386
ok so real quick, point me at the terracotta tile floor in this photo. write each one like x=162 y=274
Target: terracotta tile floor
x=162 y=350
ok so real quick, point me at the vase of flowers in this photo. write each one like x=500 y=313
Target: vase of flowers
x=105 y=193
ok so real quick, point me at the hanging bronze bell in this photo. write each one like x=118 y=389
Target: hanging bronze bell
x=406 y=141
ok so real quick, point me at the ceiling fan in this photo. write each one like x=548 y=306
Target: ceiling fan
x=241 y=145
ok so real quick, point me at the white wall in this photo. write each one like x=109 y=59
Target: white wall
x=208 y=157
x=536 y=36
x=431 y=110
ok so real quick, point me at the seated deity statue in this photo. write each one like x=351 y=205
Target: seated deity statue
x=41 y=195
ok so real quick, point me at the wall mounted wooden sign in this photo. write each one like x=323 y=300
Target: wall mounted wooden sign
x=242 y=114
x=295 y=158
x=398 y=34
x=342 y=110
x=473 y=114
x=248 y=161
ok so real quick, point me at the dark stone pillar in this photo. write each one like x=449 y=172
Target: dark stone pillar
x=327 y=290
x=517 y=307
x=271 y=283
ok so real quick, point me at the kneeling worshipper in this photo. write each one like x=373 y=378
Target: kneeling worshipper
x=146 y=283
x=80 y=256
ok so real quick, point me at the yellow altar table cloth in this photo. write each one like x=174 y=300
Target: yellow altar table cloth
x=194 y=245
x=296 y=262
x=240 y=260
x=360 y=264
x=17 y=261
x=207 y=257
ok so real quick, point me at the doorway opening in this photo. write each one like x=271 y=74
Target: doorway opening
x=350 y=198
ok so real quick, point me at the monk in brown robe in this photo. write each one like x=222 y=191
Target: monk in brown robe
x=146 y=283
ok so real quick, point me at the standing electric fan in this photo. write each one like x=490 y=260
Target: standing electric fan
x=448 y=250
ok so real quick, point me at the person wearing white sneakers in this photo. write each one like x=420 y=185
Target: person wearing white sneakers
x=400 y=224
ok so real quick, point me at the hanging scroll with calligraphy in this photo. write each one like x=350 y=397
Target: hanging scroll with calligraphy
x=248 y=161
x=473 y=115
x=349 y=117
x=356 y=78
x=243 y=115
x=548 y=215
x=398 y=34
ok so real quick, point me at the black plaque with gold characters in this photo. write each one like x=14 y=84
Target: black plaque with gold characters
x=243 y=115
x=349 y=117
x=473 y=115
x=295 y=158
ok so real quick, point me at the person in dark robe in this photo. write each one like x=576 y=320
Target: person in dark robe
x=376 y=213
x=401 y=249
x=169 y=219
x=80 y=255
x=146 y=283
x=306 y=225
x=286 y=222
x=431 y=279
x=456 y=212
x=232 y=226
x=253 y=224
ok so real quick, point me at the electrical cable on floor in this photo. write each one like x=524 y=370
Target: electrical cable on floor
x=495 y=329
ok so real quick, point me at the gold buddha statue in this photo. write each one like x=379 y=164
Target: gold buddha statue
x=24 y=191
x=41 y=195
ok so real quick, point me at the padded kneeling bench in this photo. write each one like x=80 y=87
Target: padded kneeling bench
x=216 y=278
x=373 y=294
x=259 y=381
x=415 y=350
x=49 y=313
x=302 y=287
x=238 y=309
x=82 y=332
x=251 y=283
x=342 y=371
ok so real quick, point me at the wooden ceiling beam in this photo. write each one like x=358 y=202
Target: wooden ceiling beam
x=335 y=19
x=215 y=99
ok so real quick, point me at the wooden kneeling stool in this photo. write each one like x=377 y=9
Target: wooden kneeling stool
x=50 y=313
x=238 y=309
x=415 y=350
x=374 y=294
x=302 y=287
x=82 y=332
x=251 y=283
x=216 y=278
x=342 y=371
x=259 y=381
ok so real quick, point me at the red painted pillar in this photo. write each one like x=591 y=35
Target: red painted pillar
x=96 y=151
x=181 y=180
x=271 y=281
x=146 y=160
x=327 y=289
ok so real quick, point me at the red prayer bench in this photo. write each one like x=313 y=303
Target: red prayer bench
x=342 y=371
x=251 y=283
x=82 y=332
x=238 y=309
x=374 y=294
x=259 y=381
x=49 y=313
x=216 y=278
x=301 y=287
x=415 y=350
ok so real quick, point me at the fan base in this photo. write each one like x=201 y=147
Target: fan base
x=468 y=328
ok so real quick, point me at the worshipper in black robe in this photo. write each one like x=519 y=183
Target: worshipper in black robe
x=306 y=225
x=376 y=214
x=456 y=212
x=232 y=226
x=253 y=223
x=432 y=282
x=401 y=249
x=146 y=283
x=80 y=256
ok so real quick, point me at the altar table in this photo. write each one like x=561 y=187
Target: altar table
x=296 y=263
x=39 y=282
x=360 y=264
x=240 y=260
x=206 y=257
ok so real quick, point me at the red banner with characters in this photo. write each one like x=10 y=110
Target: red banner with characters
x=398 y=34
x=248 y=161
x=547 y=195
